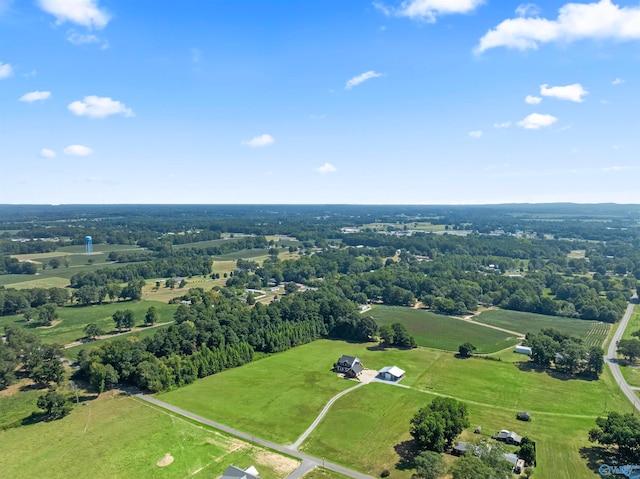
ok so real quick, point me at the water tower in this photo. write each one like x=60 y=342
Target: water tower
x=88 y=244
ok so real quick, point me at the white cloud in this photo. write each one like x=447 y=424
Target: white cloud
x=355 y=81
x=260 y=141
x=47 y=153
x=602 y=20
x=81 y=12
x=6 y=70
x=504 y=124
x=81 y=38
x=475 y=134
x=528 y=10
x=428 y=10
x=326 y=168
x=35 y=96
x=532 y=100
x=77 y=150
x=610 y=169
x=98 y=107
x=573 y=92
x=617 y=81
x=535 y=121
x=196 y=55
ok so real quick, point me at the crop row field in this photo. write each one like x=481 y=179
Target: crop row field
x=593 y=332
x=118 y=436
x=443 y=332
x=279 y=396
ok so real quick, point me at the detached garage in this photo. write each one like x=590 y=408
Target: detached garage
x=391 y=373
x=523 y=349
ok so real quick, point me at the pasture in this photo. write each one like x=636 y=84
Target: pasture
x=443 y=332
x=119 y=436
x=592 y=332
x=288 y=389
x=73 y=319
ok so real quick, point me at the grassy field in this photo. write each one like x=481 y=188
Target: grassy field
x=74 y=319
x=321 y=473
x=72 y=353
x=443 y=332
x=118 y=436
x=276 y=397
x=288 y=389
x=593 y=332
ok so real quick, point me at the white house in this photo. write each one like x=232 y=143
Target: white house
x=391 y=373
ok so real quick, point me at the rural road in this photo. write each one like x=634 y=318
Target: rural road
x=611 y=358
x=308 y=462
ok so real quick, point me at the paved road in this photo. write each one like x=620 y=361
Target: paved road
x=308 y=462
x=612 y=361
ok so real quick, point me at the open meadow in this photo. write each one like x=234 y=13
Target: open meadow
x=592 y=332
x=73 y=319
x=278 y=397
x=443 y=332
x=119 y=436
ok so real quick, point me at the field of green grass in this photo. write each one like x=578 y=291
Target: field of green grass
x=277 y=397
x=243 y=253
x=72 y=352
x=118 y=436
x=443 y=332
x=593 y=332
x=320 y=473
x=73 y=319
x=288 y=389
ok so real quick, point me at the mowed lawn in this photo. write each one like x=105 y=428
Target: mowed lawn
x=276 y=398
x=118 y=436
x=593 y=332
x=73 y=319
x=443 y=332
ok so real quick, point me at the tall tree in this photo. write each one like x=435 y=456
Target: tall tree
x=55 y=405
x=429 y=465
x=152 y=316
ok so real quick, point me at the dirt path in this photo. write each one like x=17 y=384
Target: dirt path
x=497 y=328
x=115 y=335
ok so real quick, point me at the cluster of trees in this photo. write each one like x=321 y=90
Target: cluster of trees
x=184 y=265
x=621 y=431
x=23 y=351
x=217 y=331
x=16 y=301
x=13 y=266
x=435 y=426
x=567 y=353
x=89 y=294
x=396 y=334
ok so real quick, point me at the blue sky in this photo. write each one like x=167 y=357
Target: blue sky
x=325 y=101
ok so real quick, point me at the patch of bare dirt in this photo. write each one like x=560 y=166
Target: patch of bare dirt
x=15 y=388
x=229 y=444
x=282 y=465
x=52 y=325
x=165 y=461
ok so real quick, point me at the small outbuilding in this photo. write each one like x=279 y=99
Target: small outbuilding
x=524 y=416
x=520 y=349
x=391 y=373
x=460 y=448
x=509 y=437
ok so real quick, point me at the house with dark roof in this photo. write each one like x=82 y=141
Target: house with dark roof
x=349 y=366
x=234 y=472
x=509 y=437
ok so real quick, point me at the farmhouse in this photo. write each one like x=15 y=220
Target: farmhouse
x=520 y=349
x=391 y=373
x=349 y=366
x=509 y=437
x=234 y=472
